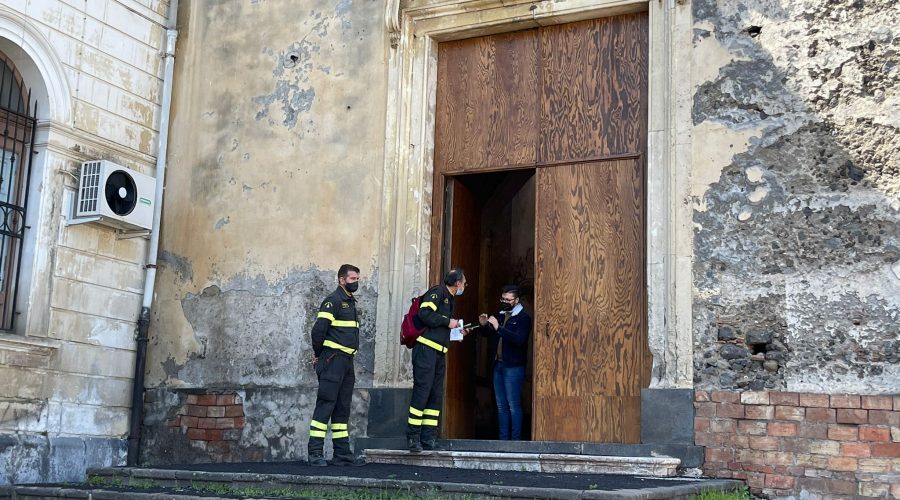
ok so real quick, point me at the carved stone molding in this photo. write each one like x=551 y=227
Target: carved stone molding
x=392 y=21
x=30 y=352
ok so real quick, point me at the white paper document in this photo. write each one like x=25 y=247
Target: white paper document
x=456 y=334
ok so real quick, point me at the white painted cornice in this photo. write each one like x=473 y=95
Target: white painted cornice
x=82 y=146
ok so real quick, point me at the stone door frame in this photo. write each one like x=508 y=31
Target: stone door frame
x=415 y=27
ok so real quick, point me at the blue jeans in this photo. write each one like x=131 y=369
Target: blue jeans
x=508 y=391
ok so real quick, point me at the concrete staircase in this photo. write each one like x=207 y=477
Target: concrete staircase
x=285 y=480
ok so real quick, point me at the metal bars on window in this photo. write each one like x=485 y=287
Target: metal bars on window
x=17 y=130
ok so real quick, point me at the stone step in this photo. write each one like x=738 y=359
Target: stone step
x=296 y=479
x=691 y=456
x=530 y=462
x=73 y=493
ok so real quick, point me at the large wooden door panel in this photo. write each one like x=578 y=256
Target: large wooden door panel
x=487 y=101
x=594 y=88
x=464 y=252
x=589 y=329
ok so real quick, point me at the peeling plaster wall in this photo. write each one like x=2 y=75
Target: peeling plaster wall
x=275 y=169
x=796 y=185
x=276 y=162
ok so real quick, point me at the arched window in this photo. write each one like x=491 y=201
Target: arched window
x=11 y=87
x=17 y=127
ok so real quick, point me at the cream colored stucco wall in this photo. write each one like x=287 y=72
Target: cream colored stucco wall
x=66 y=373
x=274 y=176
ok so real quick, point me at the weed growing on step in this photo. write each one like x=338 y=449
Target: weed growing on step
x=321 y=493
x=739 y=494
x=105 y=482
x=143 y=484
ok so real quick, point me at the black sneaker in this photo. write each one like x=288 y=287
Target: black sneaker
x=414 y=445
x=318 y=462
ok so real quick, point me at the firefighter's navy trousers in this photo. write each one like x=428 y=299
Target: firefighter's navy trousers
x=428 y=392
x=336 y=378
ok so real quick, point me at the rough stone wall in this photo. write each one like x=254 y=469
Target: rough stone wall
x=276 y=160
x=796 y=184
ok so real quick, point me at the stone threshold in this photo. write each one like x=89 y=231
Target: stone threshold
x=691 y=456
x=530 y=462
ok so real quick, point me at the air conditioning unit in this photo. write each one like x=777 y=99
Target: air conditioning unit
x=116 y=196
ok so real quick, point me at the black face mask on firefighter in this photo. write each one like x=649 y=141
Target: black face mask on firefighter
x=352 y=287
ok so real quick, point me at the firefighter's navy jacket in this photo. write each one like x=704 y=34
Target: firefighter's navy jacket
x=337 y=326
x=434 y=312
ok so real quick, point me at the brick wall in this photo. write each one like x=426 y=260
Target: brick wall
x=787 y=443
x=212 y=423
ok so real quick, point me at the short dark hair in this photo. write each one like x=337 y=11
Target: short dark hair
x=453 y=276
x=513 y=289
x=345 y=270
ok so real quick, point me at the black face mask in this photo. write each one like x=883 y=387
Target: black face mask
x=506 y=306
x=352 y=287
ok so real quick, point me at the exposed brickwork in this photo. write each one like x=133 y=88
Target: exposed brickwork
x=785 y=444
x=212 y=422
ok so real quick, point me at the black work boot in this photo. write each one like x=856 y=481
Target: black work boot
x=429 y=439
x=316 y=454
x=343 y=455
x=414 y=445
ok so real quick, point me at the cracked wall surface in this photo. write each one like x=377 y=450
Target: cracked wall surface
x=275 y=161
x=797 y=223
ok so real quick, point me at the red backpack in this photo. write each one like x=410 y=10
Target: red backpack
x=411 y=327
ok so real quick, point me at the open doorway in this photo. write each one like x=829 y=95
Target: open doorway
x=489 y=231
x=567 y=102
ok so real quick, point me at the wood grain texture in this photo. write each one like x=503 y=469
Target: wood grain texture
x=487 y=102
x=590 y=334
x=465 y=250
x=558 y=98
x=594 y=88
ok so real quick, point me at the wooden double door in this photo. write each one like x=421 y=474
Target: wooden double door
x=569 y=102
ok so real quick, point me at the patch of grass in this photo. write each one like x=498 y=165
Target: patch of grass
x=105 y=482
x=285 y=492
x=217 y=488
x=739 y=494
x=143 y=484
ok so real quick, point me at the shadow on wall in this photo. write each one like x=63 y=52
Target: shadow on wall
x=797 y=244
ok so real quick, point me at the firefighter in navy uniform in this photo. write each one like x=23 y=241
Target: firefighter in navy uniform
x=428 y=361
x=335 y=340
